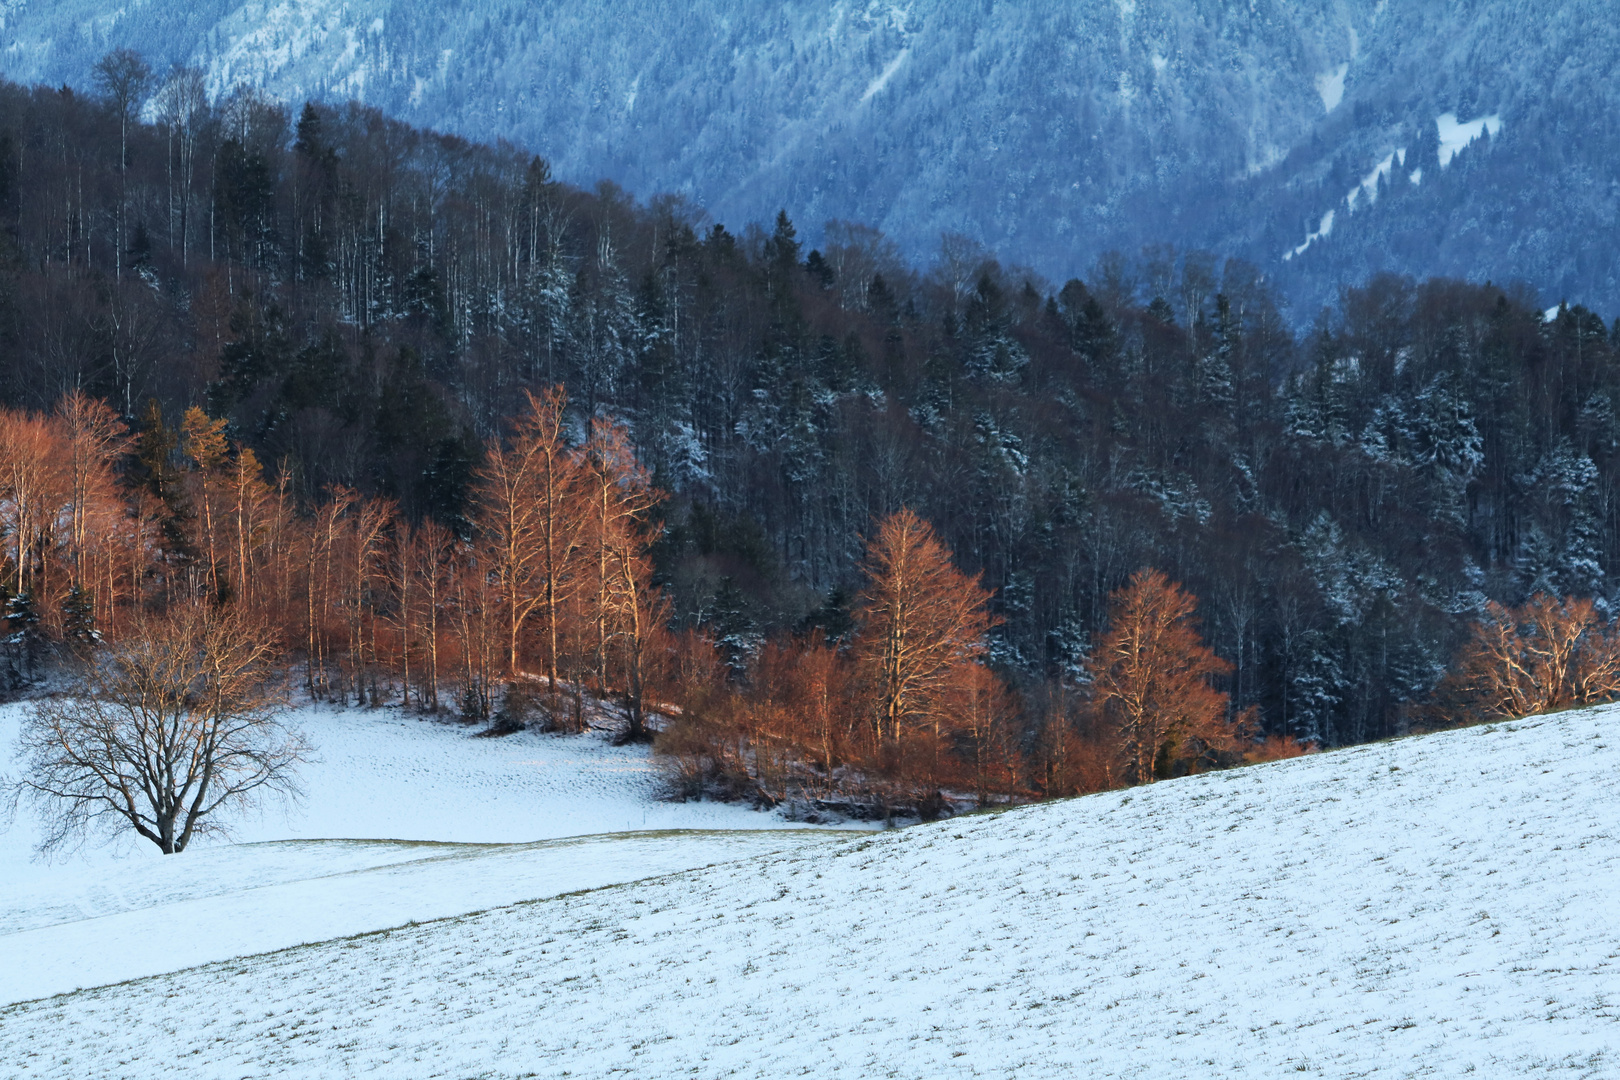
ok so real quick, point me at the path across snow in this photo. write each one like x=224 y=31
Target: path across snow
x=1440 y=906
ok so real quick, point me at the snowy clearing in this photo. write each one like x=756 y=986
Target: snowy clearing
x=1369 y=183
x=1456 y=134
x=405 y=820
x=1323 y=229
x=1330 y=86
x=1433 y=906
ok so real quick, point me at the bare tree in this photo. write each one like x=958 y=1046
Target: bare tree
x=125 y=78
x=171 y=729
x=1546 y=654
x=527 y=503
x=182 y=107
x=1151 y=678
x=922 y=623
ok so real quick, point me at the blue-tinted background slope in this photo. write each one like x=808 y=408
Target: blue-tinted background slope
x=1048 y=131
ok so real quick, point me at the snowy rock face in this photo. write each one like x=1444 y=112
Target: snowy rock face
x=1048 y=130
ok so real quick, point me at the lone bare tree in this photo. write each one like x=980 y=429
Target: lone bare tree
x=169 y=729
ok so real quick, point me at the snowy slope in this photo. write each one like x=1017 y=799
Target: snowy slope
x=1437 y=906
x=404 y=820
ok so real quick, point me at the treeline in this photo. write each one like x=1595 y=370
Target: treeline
x=363 y=303
x=104 y=528
x=548 y=610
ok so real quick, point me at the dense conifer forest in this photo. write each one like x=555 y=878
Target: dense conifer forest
x=347 y=313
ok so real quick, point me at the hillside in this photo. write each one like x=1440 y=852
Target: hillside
x=1049 y=131
x=1432 y=906
x=403 y=819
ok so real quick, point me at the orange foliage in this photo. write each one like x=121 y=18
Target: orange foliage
x=909 y=710
x=1545 y=654
x=557 y=572
x=923 y=623
x=377 y=606
x=1275 y=748
x=1151 y=675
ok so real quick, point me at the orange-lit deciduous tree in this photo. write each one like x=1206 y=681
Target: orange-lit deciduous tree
x=984 y=713
x=526 y=501
x=618 y=534
x=431 y=564
x=256 y=526
x=202 y=440
x=34 y=488
x=94 y=438
x=922 y=621
x=1151 y=677
x=1545 y=654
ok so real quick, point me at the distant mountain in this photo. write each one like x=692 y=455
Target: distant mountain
x=1321 y=140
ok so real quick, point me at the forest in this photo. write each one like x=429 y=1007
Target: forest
x=471 y=439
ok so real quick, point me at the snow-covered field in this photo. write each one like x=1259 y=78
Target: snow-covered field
x=1440 y=906
x=404 y=820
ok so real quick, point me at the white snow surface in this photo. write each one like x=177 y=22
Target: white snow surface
x=1323 y=229
x=1330 y=86
x=404 y=820
x=1456 y=134
x=1437 y=906
x=1369 y=183
x=876 y=85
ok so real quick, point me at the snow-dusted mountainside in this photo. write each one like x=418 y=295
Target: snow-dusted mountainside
x=1438 y=906
x=1049 y=130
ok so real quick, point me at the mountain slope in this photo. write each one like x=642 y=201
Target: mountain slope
x=1433 y=906
x=1049 y=131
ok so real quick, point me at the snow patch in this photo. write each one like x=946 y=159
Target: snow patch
x=1159 y=64
x=883 y=78
x=1127 y=91
x=1322 y=230
x=1456 y=134
x=1369 y=183
x=1551 y=314
x=1330 y=85
x=404 y=819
